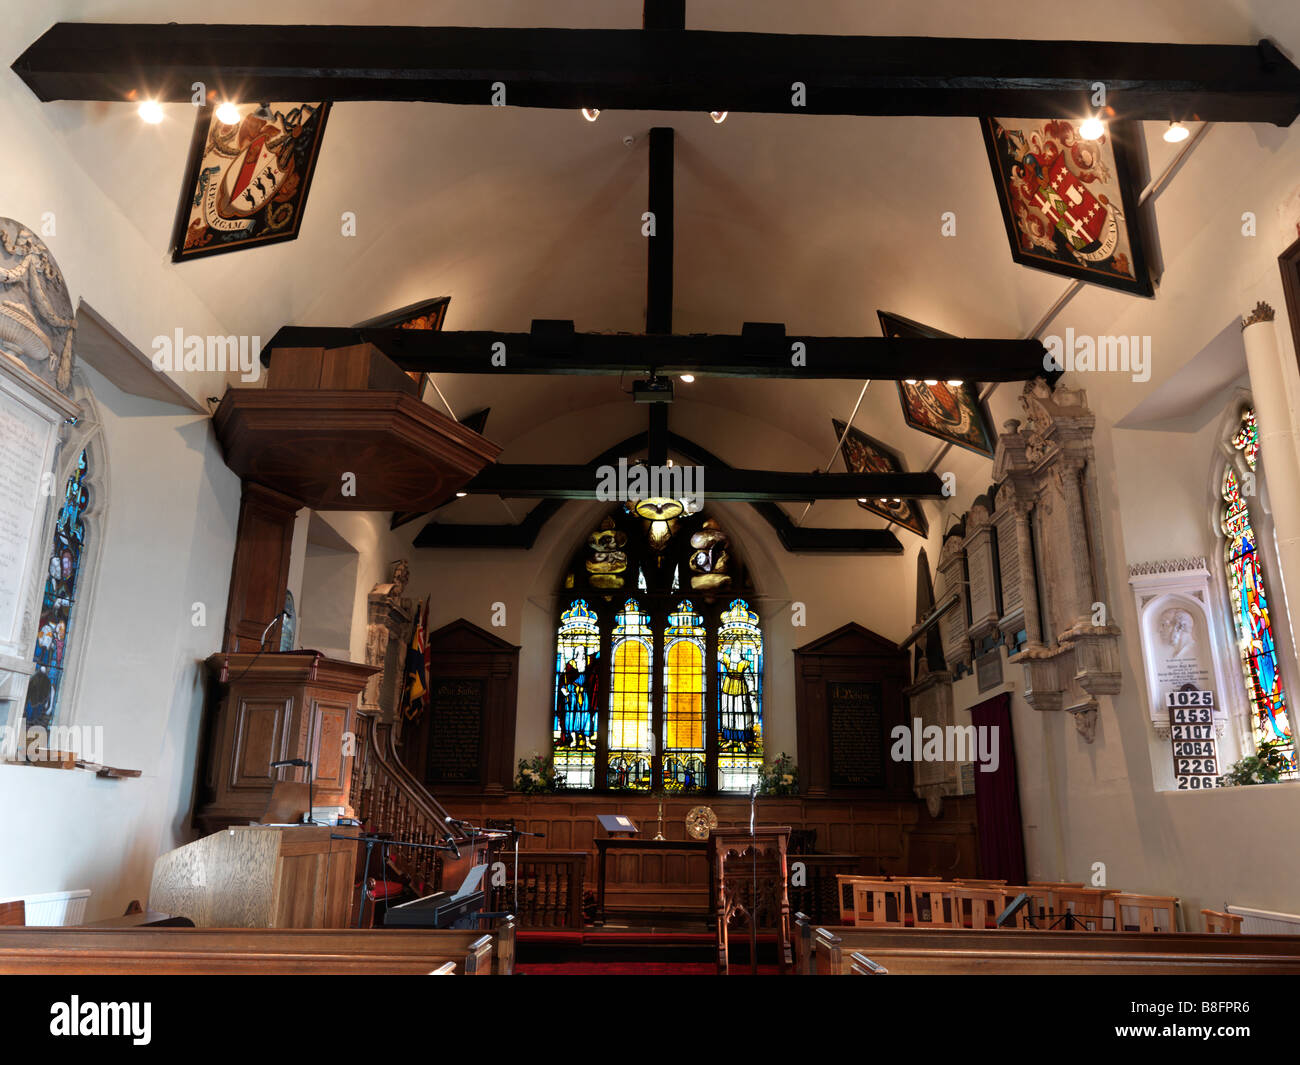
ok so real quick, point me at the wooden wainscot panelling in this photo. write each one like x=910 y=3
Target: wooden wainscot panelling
x=848 y=696
x=868 y=835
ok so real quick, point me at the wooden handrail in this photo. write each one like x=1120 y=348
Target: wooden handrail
x=389 y=799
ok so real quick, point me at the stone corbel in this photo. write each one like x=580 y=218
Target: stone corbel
x=1085 y=719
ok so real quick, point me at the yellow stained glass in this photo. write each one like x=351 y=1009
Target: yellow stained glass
x=629 y=709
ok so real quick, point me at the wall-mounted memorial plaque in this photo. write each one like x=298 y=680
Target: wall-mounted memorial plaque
x=456 y=706
x=857 y=737
x=1179 y=648
x=979 y=565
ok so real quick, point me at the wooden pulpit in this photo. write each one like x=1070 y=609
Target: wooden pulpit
x=742 y=863
x=272 y=707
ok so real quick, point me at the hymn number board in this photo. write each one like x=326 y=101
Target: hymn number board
x=1191 y=731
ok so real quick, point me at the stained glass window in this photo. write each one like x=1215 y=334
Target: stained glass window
x=60 y=596
x=1254 y=628
x=740 y=698
x=673 y=702
x=630 y=753
x=577 y=695
x=684 y=766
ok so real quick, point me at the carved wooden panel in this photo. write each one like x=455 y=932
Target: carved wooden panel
x=259 y=574
x=261 y=737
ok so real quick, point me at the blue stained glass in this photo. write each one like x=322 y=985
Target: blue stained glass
x=61 y=587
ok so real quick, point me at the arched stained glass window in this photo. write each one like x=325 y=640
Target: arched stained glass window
x=62 y=583
x=630 y=752
x=684 y=763
x=659 y=587
x=577 y=695
x=1270 y=717
x=740 y=698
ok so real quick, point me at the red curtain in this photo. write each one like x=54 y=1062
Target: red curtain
x=997 y=799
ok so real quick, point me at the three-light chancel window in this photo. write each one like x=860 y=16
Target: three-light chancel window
x=1250 y=605
x=659 y=659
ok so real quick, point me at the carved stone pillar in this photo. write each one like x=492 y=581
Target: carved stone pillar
x=1277 y=437
x=389 y=621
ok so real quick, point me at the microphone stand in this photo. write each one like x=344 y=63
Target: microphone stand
x=753 y=851
x=370 y=841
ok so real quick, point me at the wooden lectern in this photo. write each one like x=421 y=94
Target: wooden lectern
x=260 y=876
x=271 y=707
x=738 y=860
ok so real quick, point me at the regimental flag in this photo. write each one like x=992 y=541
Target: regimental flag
x=416 y=694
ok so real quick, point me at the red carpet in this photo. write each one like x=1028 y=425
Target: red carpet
x=631 y=968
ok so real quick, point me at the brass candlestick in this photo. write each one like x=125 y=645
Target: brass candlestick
x=660 y=834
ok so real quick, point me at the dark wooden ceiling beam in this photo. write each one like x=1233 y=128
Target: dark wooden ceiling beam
x=664 y=70
x=856 y=358
x=543 y=481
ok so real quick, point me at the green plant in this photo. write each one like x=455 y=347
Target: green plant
x=537 y=775
x=1265 y=766
x=779 y=777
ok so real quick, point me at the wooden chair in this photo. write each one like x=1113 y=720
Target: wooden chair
x=933 y=905
x=968 y=882
x=844 y=891
x=872 y=903
x=1226 y=923
x=1144 y=913
x=13 y=913
x=1085 y=907
x=977 y=907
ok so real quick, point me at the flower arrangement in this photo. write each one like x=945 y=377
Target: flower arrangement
x=537 y=775
x=1265 y=766
x=779 y=777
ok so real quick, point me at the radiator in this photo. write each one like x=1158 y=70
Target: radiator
x=1266 y=922
x=56 y=907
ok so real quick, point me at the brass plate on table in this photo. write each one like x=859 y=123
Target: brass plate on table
x=700 y=822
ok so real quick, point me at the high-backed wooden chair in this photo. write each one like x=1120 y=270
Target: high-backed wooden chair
x=13 y=913
x=932 y=904
x=879 y=903
x=976 y=907
x=1144 y=913
x=1224 y=923
x=1085 y=907
x=844 y=892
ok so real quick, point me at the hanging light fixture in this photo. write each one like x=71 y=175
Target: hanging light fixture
x=590 y=114
x=1092 y=128
x=1176 y=133
x=228 y=114
x=718 y=117
x=150 y=111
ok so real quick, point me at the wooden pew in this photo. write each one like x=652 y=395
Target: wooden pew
x=823 y=950
x=252 y=950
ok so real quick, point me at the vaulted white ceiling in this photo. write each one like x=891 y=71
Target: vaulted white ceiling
x=524 y=213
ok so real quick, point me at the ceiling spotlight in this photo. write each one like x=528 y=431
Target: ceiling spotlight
x=1092 y=128
x=1177 y=132
x=461 y=495
x=931 y=383
x=861 y=500
x=228 y=114
x=953 y=384
x=688 y=378
x=150 y=111
x=718 y=116
x=590 y=114
x=910 y=381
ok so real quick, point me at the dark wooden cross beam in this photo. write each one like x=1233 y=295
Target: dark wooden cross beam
x=801 y=539
x=546 y=481
x=758 y=351
x=664 y=69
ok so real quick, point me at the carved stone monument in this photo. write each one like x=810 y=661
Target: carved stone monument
x=390 y=618
x=1045 y=466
